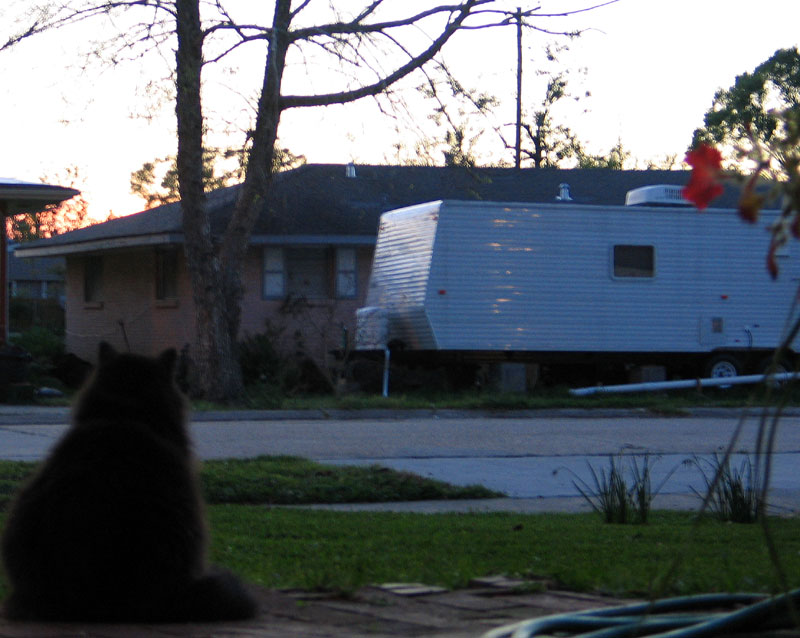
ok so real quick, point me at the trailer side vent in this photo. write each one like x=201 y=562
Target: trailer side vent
x=659 y=195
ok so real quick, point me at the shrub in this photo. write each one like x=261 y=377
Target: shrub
x=733 y=494
x=268 y=374
x=613 y=499
x=41 y=343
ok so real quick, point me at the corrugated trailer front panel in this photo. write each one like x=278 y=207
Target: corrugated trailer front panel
x=400 y=271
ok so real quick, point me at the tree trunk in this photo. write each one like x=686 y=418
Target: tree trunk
x=216 y=373
x=233 y=249
x=215 y=268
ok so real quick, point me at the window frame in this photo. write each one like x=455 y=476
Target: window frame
x=274 y=268
x=166 y=268
x=649 y=274
x=340 y=271
x=93 y=280
x=339 y=277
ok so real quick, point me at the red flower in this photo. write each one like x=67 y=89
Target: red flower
x=749 y=207
x=703 y=186
x=772 y=263
x=750 y=203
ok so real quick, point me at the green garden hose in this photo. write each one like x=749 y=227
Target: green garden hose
x=669 y=617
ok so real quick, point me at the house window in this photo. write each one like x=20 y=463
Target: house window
x=166 y=274
x=93 y=279
x=28 y=289
x=346 y=273
x=634 y=261
x=274 y=273
x=310 y=272
x=306 y=273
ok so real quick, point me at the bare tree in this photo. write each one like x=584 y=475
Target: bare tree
x=373 y=46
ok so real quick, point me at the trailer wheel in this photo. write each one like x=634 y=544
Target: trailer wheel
x=782 y=366
x=723 y=366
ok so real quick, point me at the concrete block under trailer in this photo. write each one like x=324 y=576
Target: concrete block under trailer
x=556 y=283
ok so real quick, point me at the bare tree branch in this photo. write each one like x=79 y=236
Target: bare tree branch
x=357 y=26
x=412 y=65
x=49 y=17
x=374 y=51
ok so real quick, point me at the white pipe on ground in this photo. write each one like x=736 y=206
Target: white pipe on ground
x=683 y=383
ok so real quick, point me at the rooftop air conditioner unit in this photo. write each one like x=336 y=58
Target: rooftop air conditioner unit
x=659 y=195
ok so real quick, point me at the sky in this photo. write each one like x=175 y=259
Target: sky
x=651 y=68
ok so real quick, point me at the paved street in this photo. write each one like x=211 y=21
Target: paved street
x=532 y=458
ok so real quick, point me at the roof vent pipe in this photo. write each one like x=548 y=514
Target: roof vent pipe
x=563 y=193
x=350 y=170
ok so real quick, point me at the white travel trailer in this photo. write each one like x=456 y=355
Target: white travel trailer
x=653 y=282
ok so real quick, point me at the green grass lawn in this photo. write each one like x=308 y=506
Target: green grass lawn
x=342 y=551
x=335 y=551
x=289 y=480
x=313 y=550
x=674 y=401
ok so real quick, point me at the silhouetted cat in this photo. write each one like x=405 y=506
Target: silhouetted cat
x=112 y=527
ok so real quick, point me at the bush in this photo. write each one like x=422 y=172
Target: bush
x=613 y=499
x=25 y=314
x=271 y=375
x=46 y=349
x=733 y=495
x=41 y=343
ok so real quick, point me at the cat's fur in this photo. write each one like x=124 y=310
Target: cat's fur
x=112 y=526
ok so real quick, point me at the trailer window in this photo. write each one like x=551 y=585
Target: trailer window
x=634 y=261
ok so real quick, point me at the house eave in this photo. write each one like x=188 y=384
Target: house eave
x=161 y=239
x=17 y=196
x=98 y=245
x=310 y=240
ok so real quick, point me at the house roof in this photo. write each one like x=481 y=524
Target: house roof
x=17 y=196
x=332 y=203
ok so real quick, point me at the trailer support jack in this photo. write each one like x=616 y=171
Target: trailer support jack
x=386 y=357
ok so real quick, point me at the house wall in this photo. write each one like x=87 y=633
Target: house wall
x=129 y=316
x=312 y=326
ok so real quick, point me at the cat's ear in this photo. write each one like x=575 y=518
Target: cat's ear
x=167 y=360
x=107 y=352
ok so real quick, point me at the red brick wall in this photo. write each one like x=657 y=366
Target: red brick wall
x=128 y=315
x=129 y=308
x=320 y=321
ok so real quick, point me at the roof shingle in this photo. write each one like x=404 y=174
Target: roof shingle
x=321 y=199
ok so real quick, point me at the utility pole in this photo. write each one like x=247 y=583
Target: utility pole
x=518 y=145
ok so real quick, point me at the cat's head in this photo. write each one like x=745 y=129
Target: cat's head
x=135 y=387
x=108 y=356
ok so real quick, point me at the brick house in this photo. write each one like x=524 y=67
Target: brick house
x=35 y=278
x=310 y=254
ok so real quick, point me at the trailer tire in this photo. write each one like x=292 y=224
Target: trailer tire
x=722 y=366
x=784 y=365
